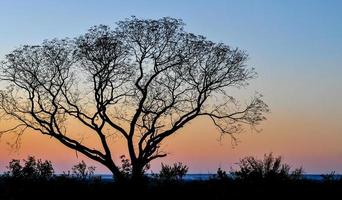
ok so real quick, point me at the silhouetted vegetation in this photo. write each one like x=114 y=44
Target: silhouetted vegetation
x=220 y=175
x=269 y=178
x=31 y=170
x=331 y=177
x=143 y=80
x=82 y=172
x=270 y=169
x=172 y=173
x=126 y=167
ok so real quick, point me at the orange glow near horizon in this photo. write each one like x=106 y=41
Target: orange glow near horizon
x=299 y=140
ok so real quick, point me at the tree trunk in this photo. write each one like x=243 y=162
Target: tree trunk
x=137 y=172
x=117 y=175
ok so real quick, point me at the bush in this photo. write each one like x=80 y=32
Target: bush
x=45 y=169
x=126 y=166
x=82 y=172
x=269 y=169
x=32 y=170
x=330 y=177
x=220 y=175
x=170 y=173
x=14 y=169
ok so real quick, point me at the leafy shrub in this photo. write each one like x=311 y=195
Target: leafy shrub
x=82 y=172
x=126 y=166
x=32 y=170
x=14 y=169
x=269 y=169
x=170 y=173
x=220 y=175
x=45 y=169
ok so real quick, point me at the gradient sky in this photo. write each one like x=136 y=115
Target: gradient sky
x=295 y=46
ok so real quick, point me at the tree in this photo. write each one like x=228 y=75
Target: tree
x=144 y=80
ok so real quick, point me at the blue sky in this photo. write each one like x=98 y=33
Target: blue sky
x=291 y=36
x=295 y=46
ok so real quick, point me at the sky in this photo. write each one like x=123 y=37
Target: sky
x=295 y=46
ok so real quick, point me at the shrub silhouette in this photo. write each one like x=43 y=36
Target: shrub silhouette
x=82 y=172
x=220 y=175
x=270 y=169
x=126 y=167
x=173 y=173
x=45 y=169
x=14 y=169
x=330 y=177
x=32 y=170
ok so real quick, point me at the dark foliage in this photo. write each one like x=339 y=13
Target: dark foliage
x=331 y=177
x=82 y=172
x=172 y=173
x=221 y=175
x=270 y=169
x=13 y=185
x=126 y=167
x=31 y=170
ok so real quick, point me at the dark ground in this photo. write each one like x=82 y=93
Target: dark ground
x=213 y=189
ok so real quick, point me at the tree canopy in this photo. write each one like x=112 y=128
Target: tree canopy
x=144 y=80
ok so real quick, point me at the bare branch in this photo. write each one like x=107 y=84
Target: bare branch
x=144 y=80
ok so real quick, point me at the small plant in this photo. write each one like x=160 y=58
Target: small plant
x=82 y=172
x=126 y=167
x=14 y=169
x=220 y=175
x=269 y=169
x=45 y=169
x=32 y=170
x=330 y=177
x=172 y=173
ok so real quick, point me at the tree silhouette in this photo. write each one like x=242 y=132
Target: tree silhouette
x=144 y=80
